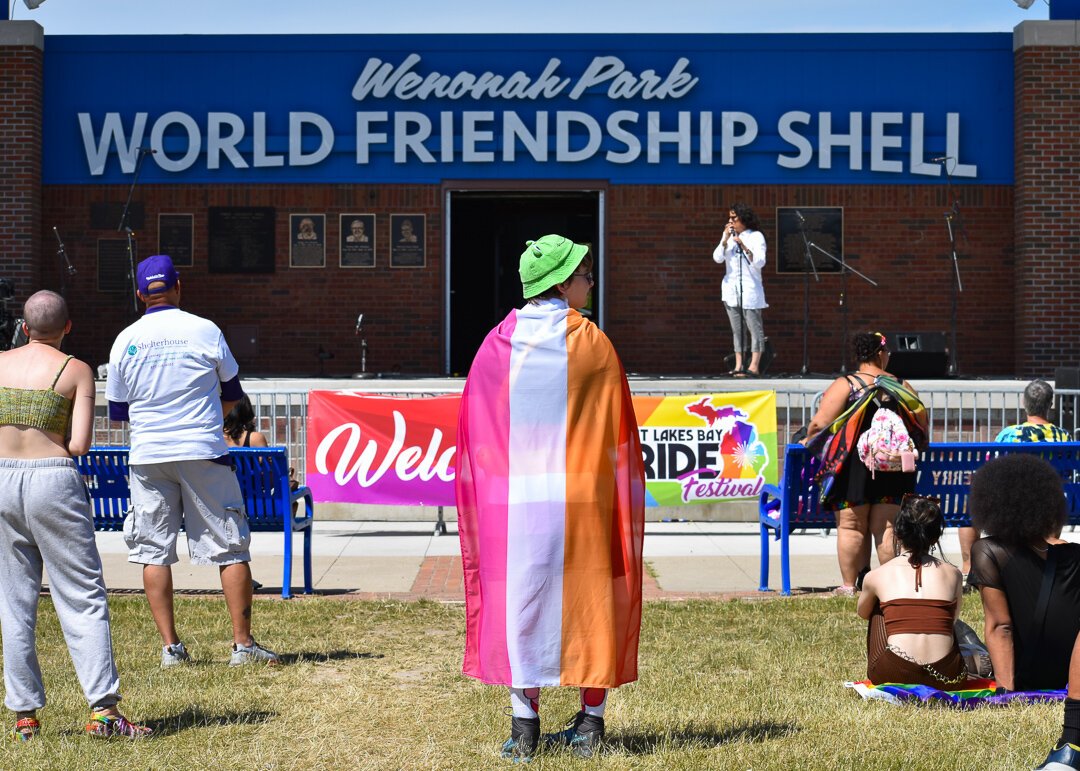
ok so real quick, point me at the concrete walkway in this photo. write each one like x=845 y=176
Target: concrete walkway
x=404 y=560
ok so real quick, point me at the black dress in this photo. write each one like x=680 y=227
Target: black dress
x=1042 y=647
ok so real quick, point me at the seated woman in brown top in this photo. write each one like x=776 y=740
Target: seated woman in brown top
x=912 y=604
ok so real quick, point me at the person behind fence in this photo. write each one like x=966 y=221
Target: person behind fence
x=46 y=417
x=550 y=494
x=240 y=426
x=864 y=499
x=913 y=605
x=1038 y=400
x=173 y=377
x=1027 y=576
x=742 y=252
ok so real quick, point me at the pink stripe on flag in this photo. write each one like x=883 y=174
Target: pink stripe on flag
x=483 y=491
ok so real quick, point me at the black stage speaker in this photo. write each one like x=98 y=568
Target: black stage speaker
x=918 y=354
x=1067 y=378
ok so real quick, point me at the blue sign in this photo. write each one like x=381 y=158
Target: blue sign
x=631 y=109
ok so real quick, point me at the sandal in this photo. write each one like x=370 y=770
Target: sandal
x=25 y=729
x=844 y=591
x=735 y=372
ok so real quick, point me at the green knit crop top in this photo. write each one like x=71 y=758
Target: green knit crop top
x=41 y=408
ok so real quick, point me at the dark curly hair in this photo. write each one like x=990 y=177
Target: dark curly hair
x=240 y=419
x=746 y=215
x=867 y=345
x=1018 y=498
x=918 y=527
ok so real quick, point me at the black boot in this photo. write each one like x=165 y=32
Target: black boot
x=524 y=738
x=583 y=734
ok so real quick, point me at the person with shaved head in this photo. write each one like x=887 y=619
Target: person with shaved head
x=46 y=417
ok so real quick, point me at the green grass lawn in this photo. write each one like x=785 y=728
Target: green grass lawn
x=725 y=685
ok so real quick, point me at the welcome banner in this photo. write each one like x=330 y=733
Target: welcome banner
x=697 y=449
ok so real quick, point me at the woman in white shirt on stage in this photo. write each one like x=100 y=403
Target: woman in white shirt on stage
x=742 y=251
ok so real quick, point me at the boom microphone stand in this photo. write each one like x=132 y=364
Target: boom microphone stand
x=806 y=295
x=69 y=269
x=953 y=216
x=126 y=229
x=844 y=267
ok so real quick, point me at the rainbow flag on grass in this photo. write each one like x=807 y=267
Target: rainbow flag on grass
x=550 y=495
x=977 y=693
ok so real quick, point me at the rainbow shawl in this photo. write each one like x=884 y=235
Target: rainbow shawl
x=837 y=441
x=550 y=494
x=976 y=693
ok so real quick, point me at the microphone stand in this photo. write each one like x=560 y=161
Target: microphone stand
x=126 y=229
x=69 y=269
x=742 y=309
x=806 y=297
x=808 y=244
x=363 y=373
x=953 y=215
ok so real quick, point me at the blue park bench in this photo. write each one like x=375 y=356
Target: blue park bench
x=943 y=471
x=263 y=473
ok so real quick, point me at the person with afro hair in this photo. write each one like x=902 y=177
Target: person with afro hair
x=1027 y=576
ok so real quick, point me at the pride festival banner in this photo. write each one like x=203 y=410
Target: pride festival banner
x=364 y=448
x=707 y=448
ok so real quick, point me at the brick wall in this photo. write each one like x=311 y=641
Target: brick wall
x=664 y=288
x=1047 y=210
x=294 y=311
x=21 y=44
x=664 y=311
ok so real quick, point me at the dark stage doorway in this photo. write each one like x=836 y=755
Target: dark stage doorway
x=488 y=231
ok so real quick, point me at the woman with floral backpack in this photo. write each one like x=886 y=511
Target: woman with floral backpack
x=866 y=492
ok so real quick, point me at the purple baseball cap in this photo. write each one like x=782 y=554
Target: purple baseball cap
x=158 y=268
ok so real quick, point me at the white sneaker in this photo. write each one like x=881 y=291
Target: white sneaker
x=251 y=654
x=174 y=655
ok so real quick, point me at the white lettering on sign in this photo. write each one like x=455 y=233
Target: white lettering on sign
x=880 y=142
x=408 y=462
x=381 y=79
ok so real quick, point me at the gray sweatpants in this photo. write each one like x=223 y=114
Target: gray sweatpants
x=753 y=323
x=45 y=520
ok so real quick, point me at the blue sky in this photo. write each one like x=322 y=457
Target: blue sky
x=126 y=17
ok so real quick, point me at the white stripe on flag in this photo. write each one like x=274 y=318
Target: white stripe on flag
x=536 y=514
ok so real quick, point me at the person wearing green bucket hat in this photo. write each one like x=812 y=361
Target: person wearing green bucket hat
x=550 y=494
x=547 y=262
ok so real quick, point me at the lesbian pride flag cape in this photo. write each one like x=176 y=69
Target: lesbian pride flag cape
x=550 y=494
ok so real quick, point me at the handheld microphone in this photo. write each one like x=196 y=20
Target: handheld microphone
x=798 y=214
x=941 y=159
x=359 y=320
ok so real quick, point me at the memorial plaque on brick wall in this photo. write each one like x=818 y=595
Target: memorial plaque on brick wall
x=113 y=267
x=823 y=227
x=241 y=239
x=307 y=240
x=357 y=236
x=176 y=236
x=407 y=232
x=106 y=216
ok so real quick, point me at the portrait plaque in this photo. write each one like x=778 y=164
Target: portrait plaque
x=113 y=270
x=824 y=227
x=176 y=236
x=241 y=239
x=357 y=236
x=407 y=235
x=307 y=240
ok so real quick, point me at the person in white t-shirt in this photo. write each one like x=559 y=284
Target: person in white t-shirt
x=173 y=378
